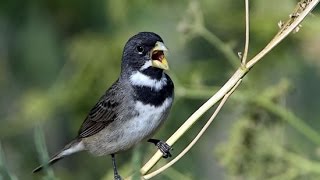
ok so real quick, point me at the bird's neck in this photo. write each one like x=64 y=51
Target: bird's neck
x=153 y=73
x=140 y=78
x=151 y=91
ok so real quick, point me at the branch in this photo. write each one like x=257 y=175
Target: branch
x=195 y=116
x=205 y=127
x=246 y=46
x=303 y=8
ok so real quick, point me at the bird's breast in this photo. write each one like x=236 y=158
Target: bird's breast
x=150 y=91
x=147 y=120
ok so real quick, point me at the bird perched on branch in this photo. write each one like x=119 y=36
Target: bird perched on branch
x=133 y=108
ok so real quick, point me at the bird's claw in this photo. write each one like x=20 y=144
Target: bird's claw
x=164 y=148
x=117 y=177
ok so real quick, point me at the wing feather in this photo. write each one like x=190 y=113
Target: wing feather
x=101 y=115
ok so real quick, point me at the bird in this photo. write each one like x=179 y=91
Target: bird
x=132 y=109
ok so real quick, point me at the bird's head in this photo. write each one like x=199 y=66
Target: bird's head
x=144 y=52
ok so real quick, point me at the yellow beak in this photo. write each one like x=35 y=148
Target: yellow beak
x=161 y=61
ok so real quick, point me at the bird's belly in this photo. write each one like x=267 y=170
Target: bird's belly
x=125 y=133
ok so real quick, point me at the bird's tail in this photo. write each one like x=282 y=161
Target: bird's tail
x=73 y=147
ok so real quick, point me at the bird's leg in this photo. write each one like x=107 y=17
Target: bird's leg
x=115 y=171
x=162 y=146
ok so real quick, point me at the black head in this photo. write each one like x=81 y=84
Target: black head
x=144 y=52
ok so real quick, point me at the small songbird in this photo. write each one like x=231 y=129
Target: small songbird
x=133 y=108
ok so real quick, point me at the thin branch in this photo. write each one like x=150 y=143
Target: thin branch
x=205 y=127
x=286 y=29
x=239 y=74
x=195 y=116
x=264 y=99
x=246 y=46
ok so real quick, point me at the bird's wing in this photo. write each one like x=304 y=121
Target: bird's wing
x=101 y=115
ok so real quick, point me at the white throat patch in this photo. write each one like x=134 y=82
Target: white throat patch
x=140 y=79
x=146 y=65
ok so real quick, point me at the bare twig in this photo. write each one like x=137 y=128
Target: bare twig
x=205 y=127
x=246 y=46
x=294 y=21
x=195 y=116
x=288 y=27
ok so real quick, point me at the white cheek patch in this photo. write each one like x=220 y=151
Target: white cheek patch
x=146 y=65
x=140 y=79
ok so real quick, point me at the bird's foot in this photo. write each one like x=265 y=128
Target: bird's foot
x=117 y=177
x=115 y=171
x=162 y=146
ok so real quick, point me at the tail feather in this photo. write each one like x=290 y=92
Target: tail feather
x=73 y=147
x=52 y=161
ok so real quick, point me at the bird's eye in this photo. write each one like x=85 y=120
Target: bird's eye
x=140 y=49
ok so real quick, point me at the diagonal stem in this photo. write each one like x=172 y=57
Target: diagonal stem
x=205 y=127
x=246 y=46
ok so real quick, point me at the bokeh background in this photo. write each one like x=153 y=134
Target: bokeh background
x=58 y=57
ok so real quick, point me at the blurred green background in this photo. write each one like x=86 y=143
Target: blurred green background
x=58 y=57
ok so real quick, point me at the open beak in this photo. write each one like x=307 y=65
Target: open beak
x=157 y=56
